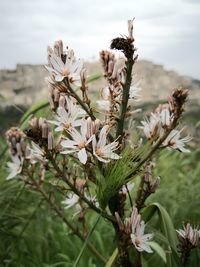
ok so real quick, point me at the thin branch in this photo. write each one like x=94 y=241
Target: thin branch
x=67 y=222
x=83 y=105
x=77 y=192
x=154 y=148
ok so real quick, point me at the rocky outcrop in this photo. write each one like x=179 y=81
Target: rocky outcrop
x=26 y=84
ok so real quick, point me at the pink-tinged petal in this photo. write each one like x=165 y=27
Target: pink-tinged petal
x=57 y=63
x=114 y=156
x=62 y=113
x=82 y=155
x=89 y=140
x=77 y=123
x=147 y=237
x=51 y=69
x=94 y=143
x=68 y=143
x=84 y=127
x=102 y=136
x=102 y=159
x=11 y=175
x=77 y=137
x=69 y=151
x=146 y=247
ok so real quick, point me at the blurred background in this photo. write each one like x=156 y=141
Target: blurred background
x=167 y=36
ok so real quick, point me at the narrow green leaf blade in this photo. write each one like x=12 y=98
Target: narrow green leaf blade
x=112 y=259
x=158 y=249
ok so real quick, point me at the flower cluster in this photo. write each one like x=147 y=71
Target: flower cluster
x=134 y=228
x=189 y=235
x=159 y=122
x=115 y=73
x=63 y=64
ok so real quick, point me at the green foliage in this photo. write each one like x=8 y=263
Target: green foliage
x=112 y=178
x=179 y=191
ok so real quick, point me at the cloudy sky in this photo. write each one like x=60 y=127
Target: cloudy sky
x=167 y=32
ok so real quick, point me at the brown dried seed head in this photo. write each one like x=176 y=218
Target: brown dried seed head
x=14 y=133
x=124 y=45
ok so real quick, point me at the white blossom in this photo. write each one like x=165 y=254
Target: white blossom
x=36 y=154
x=71 y=200
x=77 y=143
x=165 y=117
x=70 y=68
x=151 y=127
x=102 y=151
x=15 y=167
x=175 y=142
x=66 y=120
x=139 y=239
x=189 y=233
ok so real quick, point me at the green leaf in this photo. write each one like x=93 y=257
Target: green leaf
x=34 y=109
x=144 y=262
x=94 y=77
x=112 y=259
x=158 y=249
x=85 y=243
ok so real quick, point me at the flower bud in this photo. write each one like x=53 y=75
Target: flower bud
x=50 y=141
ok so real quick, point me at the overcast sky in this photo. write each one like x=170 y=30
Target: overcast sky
x=166 y=31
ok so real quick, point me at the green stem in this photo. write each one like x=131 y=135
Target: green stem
x=125 y=97
x=78 y=99
x=86 y=241
x=77 y=192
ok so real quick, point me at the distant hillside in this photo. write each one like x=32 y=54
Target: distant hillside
x=26 y=84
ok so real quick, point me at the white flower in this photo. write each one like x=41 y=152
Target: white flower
x=70 y=68
x=105 y=103
x=78 y=142
x=70 y=201
x=66 y=120
x=192 y=235
x=36 y=154
x=111 y=96
x=92 y=127
x=102 y=151
x=173 y=141
x=151 y=126
x=118 y=70
x=139 y=239
x=15 y=167
x=165 y=117
x=159 y=120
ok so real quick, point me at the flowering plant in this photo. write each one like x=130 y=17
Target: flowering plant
x=87 y=152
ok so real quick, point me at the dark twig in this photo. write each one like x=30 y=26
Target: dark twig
x=66 y=221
